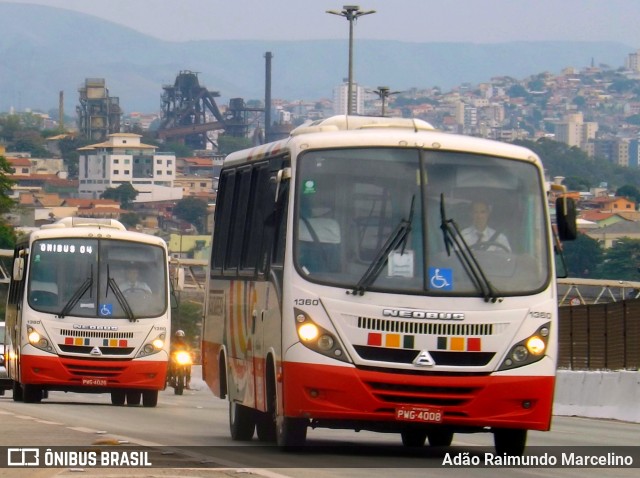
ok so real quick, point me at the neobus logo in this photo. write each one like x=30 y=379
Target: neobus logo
x=421 y=314
x=95 y=327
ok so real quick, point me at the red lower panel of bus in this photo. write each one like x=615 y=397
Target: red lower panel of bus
x=60 y=372
x=342 y=393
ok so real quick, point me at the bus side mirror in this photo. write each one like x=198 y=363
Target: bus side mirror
x=18 y=268
x=566 y=219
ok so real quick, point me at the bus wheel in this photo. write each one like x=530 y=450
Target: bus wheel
x=440 y=438
x=133 y=397
x=291 y=432
x=266 y=427
x=149 y=398
x=241 y=422
x=32 y=393
x=413 y=438
x=118 y=397
x=509 y=441
x=17 y=392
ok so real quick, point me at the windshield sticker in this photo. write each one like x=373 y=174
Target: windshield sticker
x=400 y=265
x=106 y=310
x=64 y=248
x=309 y=187
x=441 y=279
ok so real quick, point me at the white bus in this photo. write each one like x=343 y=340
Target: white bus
x=345 y=292
x=77 y=321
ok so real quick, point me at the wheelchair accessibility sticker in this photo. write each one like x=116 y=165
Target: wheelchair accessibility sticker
x=106 y=310
x=440 y=279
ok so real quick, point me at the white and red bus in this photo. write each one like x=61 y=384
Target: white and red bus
x=343 y=293
x=74 y=324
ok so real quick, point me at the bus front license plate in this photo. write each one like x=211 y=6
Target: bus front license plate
x=419 y=414
x=94 y=382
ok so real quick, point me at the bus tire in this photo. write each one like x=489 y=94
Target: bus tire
x=266 y=421
x=118 y=397
x=133 y=397
x=440 y=437
x=149 y=398
x=31 y=393
x=17 y=392
x=241 y=422
x=509 y=441
x=265 y=427
x=291 y=433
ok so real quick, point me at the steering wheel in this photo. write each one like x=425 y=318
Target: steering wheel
x=137 y=291
x=485 y=246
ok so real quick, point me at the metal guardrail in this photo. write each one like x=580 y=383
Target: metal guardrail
x=574 y=291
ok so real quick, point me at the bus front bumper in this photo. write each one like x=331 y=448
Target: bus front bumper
x=332 y=394
x=63 y=372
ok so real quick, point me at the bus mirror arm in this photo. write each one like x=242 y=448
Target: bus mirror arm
x=283 y=175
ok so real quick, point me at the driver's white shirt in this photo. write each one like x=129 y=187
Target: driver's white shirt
x=136 y=285
x=472 y=236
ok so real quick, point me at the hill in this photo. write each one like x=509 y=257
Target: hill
x=46 y=50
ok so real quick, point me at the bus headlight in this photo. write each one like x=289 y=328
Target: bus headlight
x=527 y=351
x=38 y=340
x=317 y=338
x=152 y=346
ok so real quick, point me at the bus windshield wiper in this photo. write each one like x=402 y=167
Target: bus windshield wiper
x=397 y=238
x=122 y=300
x=453 y=239
x=75 y=298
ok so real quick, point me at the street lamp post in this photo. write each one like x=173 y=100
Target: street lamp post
x=351 y=13
x=384 y=93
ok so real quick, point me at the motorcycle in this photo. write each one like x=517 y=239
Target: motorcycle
x=179 y=370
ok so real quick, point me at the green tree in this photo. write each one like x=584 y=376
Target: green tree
x=228 y=144
x=129 y=219
x=621 y=261
x=7 y=237
x=582 y=256
x=125 y=194
x=630 y=192
x=192 y=210
x=6 y=184
x=188 y=317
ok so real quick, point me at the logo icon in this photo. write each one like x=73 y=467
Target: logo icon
x=424 y=359
x=23 y=457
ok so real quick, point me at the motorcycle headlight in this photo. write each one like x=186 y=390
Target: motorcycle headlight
x=183 y=358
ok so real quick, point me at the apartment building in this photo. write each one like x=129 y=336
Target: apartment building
x=124 y=159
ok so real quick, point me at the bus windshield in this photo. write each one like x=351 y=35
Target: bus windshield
x=421 y=222
x=99 y=278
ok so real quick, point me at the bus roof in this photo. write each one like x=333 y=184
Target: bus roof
x=85 y=222
x=334 y=130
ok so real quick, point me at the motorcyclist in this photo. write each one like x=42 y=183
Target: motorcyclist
x=179 y=343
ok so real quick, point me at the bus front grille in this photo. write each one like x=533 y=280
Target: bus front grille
x=407 y=356
x=422 y=394
x=96 y=334
x=94 y=370
x=429 y=328
x=86 y=349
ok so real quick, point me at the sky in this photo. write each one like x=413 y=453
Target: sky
x=478 y=21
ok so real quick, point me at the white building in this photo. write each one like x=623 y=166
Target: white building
x=340 y=94
x=124 y=159
x=574 y=131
